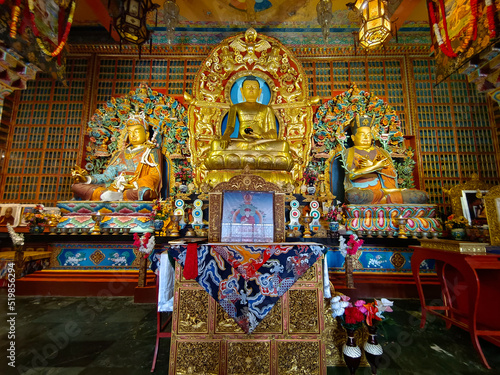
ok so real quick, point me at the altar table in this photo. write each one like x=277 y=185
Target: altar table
x=469 y=286
x=243 y=332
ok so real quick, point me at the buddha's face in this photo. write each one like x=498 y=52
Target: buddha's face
x=363 y=137
x=136 y=134
x=251 y=91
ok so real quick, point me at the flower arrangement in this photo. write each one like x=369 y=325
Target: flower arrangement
x=375 y=309
x=144 y=244
x=352 y=246
x=161 y=210
x=310 y=176
x=17 y=238
x=183 y=172
x=456 y=222
x=36 y=217
x=348 y=251
x=335 y=214
x=352 y=315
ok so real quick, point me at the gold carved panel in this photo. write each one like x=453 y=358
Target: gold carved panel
x=224 y=323
x=492 y=204
x=303 y=311
x=248 y=357
x=273 y=322
x=193 y=311
x=197 y=358
x=455 y=192
x=311 y=273
x=299 y=357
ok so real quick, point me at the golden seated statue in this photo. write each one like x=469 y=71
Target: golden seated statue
x=252 y=137
x=133 y=174
x=257 y=144
x=372 y=176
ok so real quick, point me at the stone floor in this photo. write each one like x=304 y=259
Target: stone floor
x=90 y=335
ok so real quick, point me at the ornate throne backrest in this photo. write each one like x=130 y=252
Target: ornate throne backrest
x=264 y=57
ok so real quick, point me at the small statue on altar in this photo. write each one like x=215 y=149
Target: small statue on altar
x=372 y=176
x=132 y=174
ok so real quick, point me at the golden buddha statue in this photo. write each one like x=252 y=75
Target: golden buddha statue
x=132 y=173
x=257 y=144
x=372 y=176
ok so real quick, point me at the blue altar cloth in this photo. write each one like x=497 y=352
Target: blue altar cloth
x=248 y=280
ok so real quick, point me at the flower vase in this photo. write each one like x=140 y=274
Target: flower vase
x=349 y=268
x=158 y=225
x=36 y=229
x=351 y=352
x=334 y=226
x=373 y=350
x=311 y=189
x=458 y=234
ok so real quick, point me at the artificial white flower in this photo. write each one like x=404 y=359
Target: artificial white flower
x=342 y=246
x=17 y=238
x=338 y=306
x=383 y=305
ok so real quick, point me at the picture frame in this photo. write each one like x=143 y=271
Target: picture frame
x=455 y=193
x=492 y=206
x=473 y=207
x=247 y=216
x=236 y=188
x=25 y=208
x=14 y=215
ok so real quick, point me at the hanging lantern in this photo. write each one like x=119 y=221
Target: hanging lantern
x=171 y=18
x=325 y=17
x=375 y=26
x=131 y=23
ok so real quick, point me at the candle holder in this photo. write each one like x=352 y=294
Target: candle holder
x=175 y=229
x=97 y=223
x=402 y=227
x=306 y=221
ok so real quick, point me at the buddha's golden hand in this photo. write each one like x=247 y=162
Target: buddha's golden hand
x=79 y=174
x=224 y=142
x=368 y=165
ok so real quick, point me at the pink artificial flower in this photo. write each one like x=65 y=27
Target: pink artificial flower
x=345 y=298
x=360 y=305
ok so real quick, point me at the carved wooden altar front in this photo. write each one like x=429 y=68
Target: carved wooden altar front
x=290 y=340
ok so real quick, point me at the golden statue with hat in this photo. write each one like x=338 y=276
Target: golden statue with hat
x=133 y=173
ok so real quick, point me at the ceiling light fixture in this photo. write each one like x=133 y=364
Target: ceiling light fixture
x=171 y=18
x=131 y=23
x=325 y=17
x=375 y=25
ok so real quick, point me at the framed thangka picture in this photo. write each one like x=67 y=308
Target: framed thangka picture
x=473 y=206
x=247 y=216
